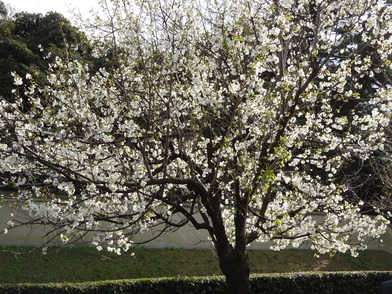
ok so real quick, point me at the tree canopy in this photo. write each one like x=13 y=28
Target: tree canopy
x=237 y=117
x=26 y=38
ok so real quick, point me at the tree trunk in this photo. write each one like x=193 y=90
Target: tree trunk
x=235 y=267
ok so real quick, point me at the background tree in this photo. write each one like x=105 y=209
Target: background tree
x=26 y=39
x=381 y=165
x=224 y=110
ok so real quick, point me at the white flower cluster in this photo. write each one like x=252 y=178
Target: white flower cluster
x=253 y=109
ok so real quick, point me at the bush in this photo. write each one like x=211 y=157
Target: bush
x=202 y=285
x=296 y=283
x=320 y=283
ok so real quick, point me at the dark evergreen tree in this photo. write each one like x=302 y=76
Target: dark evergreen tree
x=26 y=38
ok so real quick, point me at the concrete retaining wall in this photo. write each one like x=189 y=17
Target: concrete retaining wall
x=185 y=237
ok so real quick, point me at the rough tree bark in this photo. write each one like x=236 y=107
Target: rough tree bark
x=235 y=266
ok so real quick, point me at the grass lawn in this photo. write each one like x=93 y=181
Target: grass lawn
x=19 y=265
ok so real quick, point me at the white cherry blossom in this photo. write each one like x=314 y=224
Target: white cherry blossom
x=242 y=112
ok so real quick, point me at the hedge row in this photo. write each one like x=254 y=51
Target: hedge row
x=296 y=283
x=321 y=283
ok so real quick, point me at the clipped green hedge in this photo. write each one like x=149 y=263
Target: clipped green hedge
x=320 y=283
x=294 y=283
x=196 y=285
